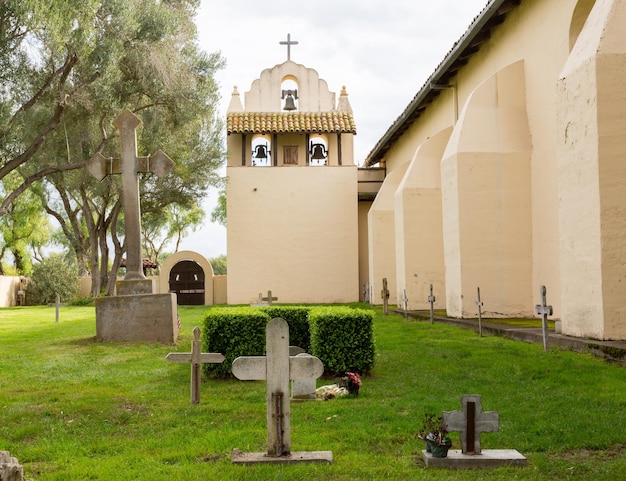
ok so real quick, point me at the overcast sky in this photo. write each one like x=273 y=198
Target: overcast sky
x=381 y=50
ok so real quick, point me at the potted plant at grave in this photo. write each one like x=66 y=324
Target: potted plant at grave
x=435 y=433
x=352 y=382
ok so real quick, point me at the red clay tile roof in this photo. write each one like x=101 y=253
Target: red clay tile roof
x=296 y=122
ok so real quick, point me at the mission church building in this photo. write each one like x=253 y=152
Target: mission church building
x=506 y=172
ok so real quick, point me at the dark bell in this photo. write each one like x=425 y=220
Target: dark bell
x=289 y=103
x=260 y=152
x=318 y=152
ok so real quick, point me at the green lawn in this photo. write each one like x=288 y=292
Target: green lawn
x=75 y=409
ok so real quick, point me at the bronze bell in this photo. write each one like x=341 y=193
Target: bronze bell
x=318 y=152
x=260 y=152
x=290 y=104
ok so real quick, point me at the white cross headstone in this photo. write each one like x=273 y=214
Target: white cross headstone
x=277 y=368
x=303 y=389
x=471 y=422
x=196 y=357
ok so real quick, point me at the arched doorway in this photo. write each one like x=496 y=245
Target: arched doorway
x=187 y=281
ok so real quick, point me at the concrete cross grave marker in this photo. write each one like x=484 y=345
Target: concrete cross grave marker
x=431 y=301
x=479 y=303
x=196 y=357
x=471 y=422
x=544 y=310
x=129 y=165
x=384 y=293
x=277 y=368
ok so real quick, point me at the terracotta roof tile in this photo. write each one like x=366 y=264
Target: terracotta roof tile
x=297 y=122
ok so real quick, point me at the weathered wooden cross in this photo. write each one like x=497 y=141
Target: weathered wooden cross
x=479 y=303
x=431 y=300
x=544 y=310
x=129 y=165
x=277 y=368
x=269 y=299
x=384 y=293
x=195 y=357
x=471 y=421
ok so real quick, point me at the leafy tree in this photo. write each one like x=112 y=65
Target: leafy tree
x=55 y=275
x=24 y=228
x=219 y=265
x=219 y=213
x=75 y=66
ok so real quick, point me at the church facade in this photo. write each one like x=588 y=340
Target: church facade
x=292 y=191
x=506 y=172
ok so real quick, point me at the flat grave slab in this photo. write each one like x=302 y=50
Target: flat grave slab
x=489 y=458
x=239 y=457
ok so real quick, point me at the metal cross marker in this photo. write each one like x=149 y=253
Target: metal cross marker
x=269 y=298
x=384 y=293
x=544 y=310
x=289 y=43
x=479 y=303
x=431 y=300
x=277 y=368
x=195 y=357
x=129 y=165
x=471 y=421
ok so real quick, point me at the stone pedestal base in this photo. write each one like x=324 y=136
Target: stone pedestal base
x=237 y=457
x=143 y=317
x=135 y=286
x=489 y=458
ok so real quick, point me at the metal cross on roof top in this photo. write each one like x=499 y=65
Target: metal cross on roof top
x=289 y=43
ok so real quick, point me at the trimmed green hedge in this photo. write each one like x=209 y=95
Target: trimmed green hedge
x=343 y=338
x=233 y=331
x=298 y=319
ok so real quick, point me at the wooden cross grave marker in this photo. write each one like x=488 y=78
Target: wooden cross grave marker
x=277 y=368
x=479 y=303
x=129 y=165
x=471 y=422
x=195 y=357
x=431 y=301
x=544 y=310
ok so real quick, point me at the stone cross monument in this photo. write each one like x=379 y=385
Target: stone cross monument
x=134 y=313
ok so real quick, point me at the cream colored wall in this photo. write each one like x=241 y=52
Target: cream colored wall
x=419 y=231
x=382 y=238
x=265 y=92
x=592 y=176
x=9 y=285
x=220 y=294
x=364 y=208
x=538 y=33
x=294 y=231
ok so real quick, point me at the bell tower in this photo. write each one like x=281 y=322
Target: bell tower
x=292 y=189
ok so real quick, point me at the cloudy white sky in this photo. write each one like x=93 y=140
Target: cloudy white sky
x=381 y=50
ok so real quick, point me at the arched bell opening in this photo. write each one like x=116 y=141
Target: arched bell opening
x=289 y=94
x=187 y=281
x=261 y=151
